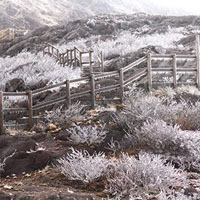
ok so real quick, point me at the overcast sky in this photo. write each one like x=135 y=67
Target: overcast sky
x=192 y=6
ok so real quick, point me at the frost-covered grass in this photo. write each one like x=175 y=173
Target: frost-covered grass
x=80 y=165
x=139 y=177
x=62 y=115
x=34 y=68
x=91 y=135
x=127 y=42
x=124 y=176
x=161 y=104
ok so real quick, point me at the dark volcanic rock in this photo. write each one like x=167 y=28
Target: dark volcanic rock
x=14 y=85
x=24 y=158
x=26 y=162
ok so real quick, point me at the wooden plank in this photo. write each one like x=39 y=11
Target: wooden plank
x=14 y=94
x=92 y=87
x=90 y=59
x=149 y=67
x=167 y=69
x=30 y=109
x=109 y=88
x=15 y=110
x=135 y=77
x=81 y=61
x=198 y=59
x=170 y=56
x=174 y=71
x=1 y=114
x=137 y=62
x=50 y=102
x=75 y=58
x=80 y=79
x=48 y=88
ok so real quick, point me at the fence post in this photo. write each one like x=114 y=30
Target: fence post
x=75 y=59
x=81 y=61
x=174 y=71
x=198 y=59
x=71 y=57
x=1 y=114
x=92 y=86
x=90 y=60
x=121 y=82
x=67 y=60
x=102 y=63
x=30 y=109
x=68 y=93
x=149 y=66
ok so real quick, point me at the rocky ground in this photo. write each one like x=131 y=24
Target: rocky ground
x=107 y=27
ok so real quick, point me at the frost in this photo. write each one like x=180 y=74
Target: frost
x=61 y=115
x=87 y=134
x=80 y=165
x=139 y=177
x=34 y=68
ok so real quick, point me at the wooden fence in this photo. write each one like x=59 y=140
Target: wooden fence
x=174 y=69
x=7 y=35
x=68 y=96
x=76 y=58
x=125 y=76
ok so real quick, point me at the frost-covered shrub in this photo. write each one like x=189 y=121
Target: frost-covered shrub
x=87 y=134
x=181 y=147
x=80 y=165
x=138 y=177
x=174 y=195
x=61 y=115
x=159 y=137
x=144 y=108
x=11 y=102
x=141 y=107
x=34 y=68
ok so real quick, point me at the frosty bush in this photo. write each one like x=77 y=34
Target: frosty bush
x=140 y=107
x=80 y=165
x=174 y=195
x=144 y=108
x=34 y=68
x=61 y=115
x=159 y=137
x=87 y=134
x=181 y=147
x=139 y=177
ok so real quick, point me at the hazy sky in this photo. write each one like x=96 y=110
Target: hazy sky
x=192 y=6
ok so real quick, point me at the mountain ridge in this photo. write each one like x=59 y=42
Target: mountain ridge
x=29 y=14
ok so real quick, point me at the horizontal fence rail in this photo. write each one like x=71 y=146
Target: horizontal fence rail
x=76 y=58
x=122 y=78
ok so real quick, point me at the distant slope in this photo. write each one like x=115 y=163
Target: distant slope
x=29 y=14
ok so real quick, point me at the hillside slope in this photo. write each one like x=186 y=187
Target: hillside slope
x=30 y=14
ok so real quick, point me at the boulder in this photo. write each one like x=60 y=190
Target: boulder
x=21 y=156
x=15 y=84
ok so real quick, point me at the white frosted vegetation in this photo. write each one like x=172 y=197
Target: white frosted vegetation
x=127 y=42
x=62 y=115
x=87 y=135
x=80 y=165
x=34 y=68
x=139 y=177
